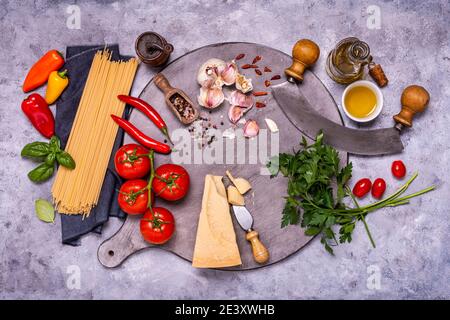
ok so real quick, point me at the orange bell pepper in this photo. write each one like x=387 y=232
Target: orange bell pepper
x=40 y=71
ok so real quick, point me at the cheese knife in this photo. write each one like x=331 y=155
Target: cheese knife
x=304 y=117
x=245 y=220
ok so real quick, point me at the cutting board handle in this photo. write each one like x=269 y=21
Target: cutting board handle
x=124 y=243
x=304 y=54
x=260 y=252
x=414 y=99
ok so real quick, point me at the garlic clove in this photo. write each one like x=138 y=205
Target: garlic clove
x=251 y=129
x=210 y=70
x=210 y=97
x=237 y=98
x=228 y=75
x=243 y=84
x=271 y=125
x=235 y=113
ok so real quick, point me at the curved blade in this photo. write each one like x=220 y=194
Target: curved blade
x=243 y=216
x=303 y=116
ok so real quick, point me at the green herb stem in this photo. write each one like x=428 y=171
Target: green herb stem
x=312 y=172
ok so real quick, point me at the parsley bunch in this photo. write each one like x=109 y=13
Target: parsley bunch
x=312 y=173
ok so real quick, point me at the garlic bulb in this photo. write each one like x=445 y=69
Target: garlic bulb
x=235 y=113
x=210 y=97
x=271 y=125
x=251 y=129
x=239 y=99
x=211 y=70
x=243 y=84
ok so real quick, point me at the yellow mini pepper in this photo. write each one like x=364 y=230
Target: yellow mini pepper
x=57 y=82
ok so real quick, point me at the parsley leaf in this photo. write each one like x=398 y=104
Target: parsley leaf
x=312 y=171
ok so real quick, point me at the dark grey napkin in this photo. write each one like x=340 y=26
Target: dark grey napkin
x=78 y=63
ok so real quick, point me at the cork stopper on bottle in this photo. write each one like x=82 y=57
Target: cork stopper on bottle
x=377 y=74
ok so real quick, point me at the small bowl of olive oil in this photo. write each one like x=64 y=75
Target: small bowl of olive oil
x=362 y=101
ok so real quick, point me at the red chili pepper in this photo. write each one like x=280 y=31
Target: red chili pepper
x=40 y=71
x=378 y=188
x=40 y=115
x=362 y=187
x=149 y=111
x=140 y=137
x=398 y=169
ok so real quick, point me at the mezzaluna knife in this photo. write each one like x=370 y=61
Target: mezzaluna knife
x=245 y=220
x=304 y=117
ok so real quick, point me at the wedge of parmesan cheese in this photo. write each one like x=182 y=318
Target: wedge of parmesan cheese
x=215 y=245
x=234 y=196
x=240 y=183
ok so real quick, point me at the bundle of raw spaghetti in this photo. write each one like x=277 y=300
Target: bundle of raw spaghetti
x=93 y=134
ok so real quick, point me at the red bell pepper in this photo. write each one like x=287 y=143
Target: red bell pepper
x=40 y=115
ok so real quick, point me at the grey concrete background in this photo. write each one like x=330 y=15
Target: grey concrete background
x=412 y=253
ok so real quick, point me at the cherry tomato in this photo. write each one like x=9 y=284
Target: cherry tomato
x=131 y=161
x=362 y=187
x=398 y=169
x=171 y=182
x=157 y=229
x=378 y=188
x=133 y=196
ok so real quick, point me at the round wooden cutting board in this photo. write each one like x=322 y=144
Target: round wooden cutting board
x=265 y=201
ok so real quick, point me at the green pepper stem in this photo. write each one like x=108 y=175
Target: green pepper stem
x=150 y=181
x=62 y=74
x=165 y=132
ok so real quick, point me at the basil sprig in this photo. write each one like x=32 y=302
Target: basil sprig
x=47 y=153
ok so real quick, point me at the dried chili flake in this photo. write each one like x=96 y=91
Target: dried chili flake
x=267 y=69
x=267 y=83
x=258 y=72
x=260 y=104
x=240 y=56
x=260 y=93
x=276 y=77
x=256 y=59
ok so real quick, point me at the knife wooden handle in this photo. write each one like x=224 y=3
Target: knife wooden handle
x=260 y=252
x=414 y=99
x=304 y=54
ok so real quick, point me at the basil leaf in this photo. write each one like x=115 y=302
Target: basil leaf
x=50 y=159
x=55 y=144
x=41 y=173
x=65 y=159
x=36 y=150
x=44 y=210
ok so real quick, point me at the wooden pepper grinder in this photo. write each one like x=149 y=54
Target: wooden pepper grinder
x=304 y=54
x=414 y=99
